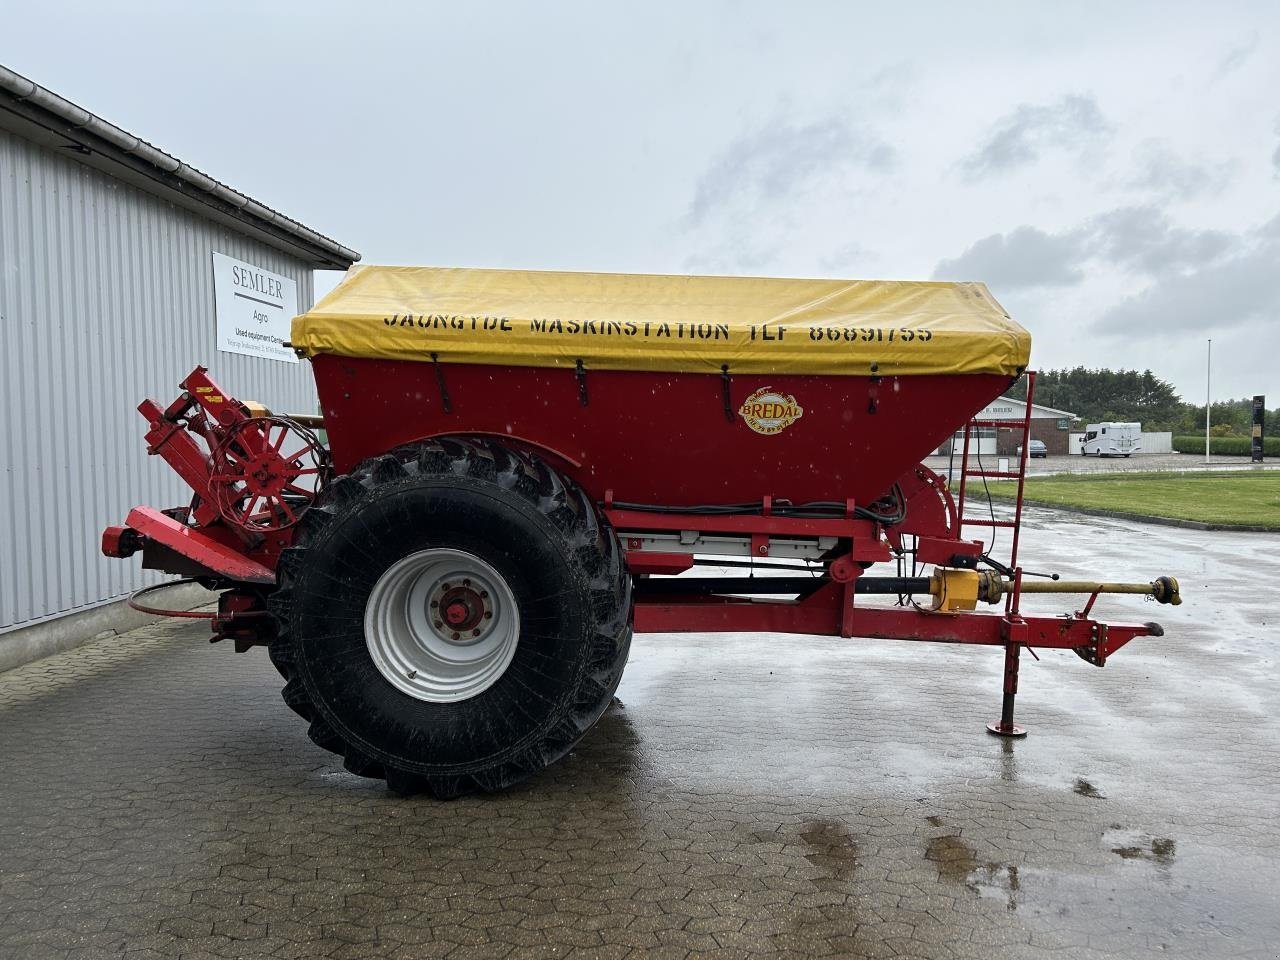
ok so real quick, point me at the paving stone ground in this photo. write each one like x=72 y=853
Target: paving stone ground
x=745 y=796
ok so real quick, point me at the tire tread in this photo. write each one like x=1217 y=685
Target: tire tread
x=590 y=539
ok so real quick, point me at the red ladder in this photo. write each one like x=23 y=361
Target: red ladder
x=968 y=470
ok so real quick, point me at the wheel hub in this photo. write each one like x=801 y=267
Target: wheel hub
x=262 y=477
x=441 y=625
x=463 y=609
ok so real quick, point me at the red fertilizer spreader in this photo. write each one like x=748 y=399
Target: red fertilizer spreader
x=515 y=470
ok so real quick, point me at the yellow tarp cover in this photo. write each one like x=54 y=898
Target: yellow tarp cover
x=615 y=321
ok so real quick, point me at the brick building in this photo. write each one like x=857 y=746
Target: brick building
x=1047 y=424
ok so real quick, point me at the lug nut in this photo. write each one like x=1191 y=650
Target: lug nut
x=475 y=633
x=488 y=614
x=457 y=636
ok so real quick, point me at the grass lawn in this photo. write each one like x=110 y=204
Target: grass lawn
x=1238 y=498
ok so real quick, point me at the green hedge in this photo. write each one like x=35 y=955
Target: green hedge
x=1227 y=446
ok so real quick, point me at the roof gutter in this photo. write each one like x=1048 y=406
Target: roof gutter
x=325 y=252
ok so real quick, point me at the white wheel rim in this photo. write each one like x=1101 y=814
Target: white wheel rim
x=441 y=625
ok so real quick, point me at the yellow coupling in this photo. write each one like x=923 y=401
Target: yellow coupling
x=256 y=409
x=956 y=589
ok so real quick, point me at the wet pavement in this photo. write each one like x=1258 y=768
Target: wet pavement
x=746 y=796
x=1141 y=463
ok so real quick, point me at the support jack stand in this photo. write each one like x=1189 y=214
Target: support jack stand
x=1001 y=730
x=1005 y=727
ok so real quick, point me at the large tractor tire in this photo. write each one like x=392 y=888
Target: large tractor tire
x=452 y=617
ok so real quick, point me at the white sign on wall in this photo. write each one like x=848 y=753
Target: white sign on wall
x=254 y=309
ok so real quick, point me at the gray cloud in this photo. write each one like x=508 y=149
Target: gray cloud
x=848 y=260
x=1231 y=292
x=742 y=255
x=1141 y=240
x=1161 y=171
x=1235 y=58
x=1144 y=240
x=1020 y=136
x=781 y=160
x=1198 y=279
x=1024 y=258
x=1275 y=157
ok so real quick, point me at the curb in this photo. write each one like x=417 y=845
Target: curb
x=26 y=644
x=1144 y=518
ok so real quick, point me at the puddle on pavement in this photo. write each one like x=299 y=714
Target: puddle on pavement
x=1008 y=760
x=957 y=862
x=833 y=847
x=1086 y=789
x=1135 y=845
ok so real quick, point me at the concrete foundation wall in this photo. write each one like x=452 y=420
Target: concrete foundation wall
x=57 y=634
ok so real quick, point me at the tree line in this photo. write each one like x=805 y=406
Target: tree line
x=1098 y=395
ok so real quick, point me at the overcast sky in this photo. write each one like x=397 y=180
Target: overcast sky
x=1110 y=170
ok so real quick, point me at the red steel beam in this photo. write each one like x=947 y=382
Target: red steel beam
x=203 y=549
x=819 y=615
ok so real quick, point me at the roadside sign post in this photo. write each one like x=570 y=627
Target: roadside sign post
x=1259 y=421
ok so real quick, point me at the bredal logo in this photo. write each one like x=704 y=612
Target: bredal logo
x=768 y=412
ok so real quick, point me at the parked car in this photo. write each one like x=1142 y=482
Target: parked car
x=1036 y=448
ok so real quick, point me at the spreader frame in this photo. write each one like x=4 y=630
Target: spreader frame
x=233 y=551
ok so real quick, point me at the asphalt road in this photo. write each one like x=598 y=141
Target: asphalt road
x=746 y=796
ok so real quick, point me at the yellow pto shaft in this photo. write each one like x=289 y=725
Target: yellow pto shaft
x=956 y=589
x=1162 y=589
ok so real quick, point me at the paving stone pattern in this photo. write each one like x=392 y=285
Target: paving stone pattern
x=745 y=796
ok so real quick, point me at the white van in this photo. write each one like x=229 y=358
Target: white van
x=1112 y=439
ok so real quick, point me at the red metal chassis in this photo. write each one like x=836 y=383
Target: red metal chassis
x=195 y=540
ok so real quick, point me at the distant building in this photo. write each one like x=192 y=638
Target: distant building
x=1048 y=424
x=107 y=295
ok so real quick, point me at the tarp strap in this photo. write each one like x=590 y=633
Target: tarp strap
x=580 y=371
x=444 y=391
x=726 y=384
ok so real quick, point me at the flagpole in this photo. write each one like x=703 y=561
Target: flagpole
x=1208 y=373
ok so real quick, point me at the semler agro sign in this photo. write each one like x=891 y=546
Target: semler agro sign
x=254 y=308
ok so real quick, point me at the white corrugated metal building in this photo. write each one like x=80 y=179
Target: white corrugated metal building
x=107 y=296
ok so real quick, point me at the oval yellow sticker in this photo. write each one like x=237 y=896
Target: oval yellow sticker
x=768 y=412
